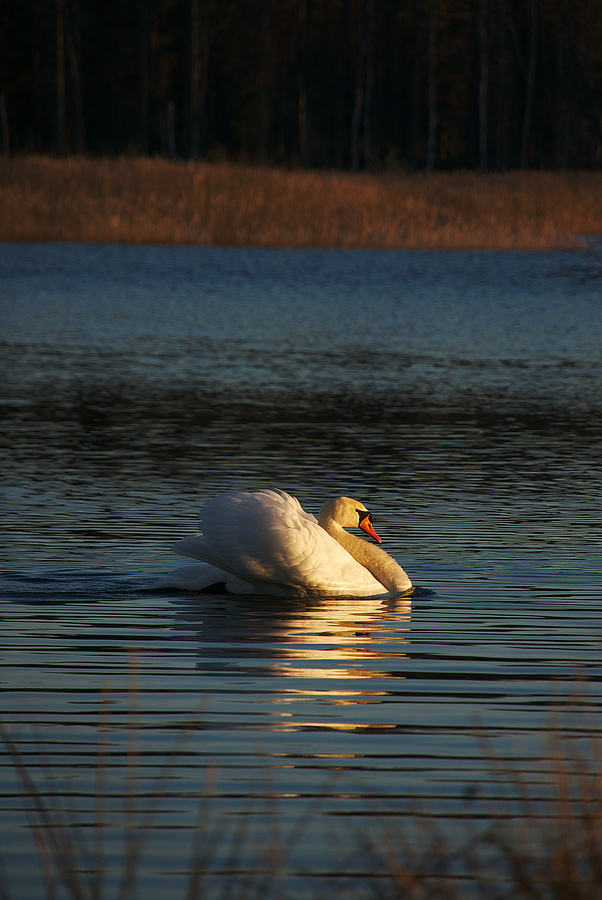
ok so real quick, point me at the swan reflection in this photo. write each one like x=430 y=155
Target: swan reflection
x=337 y=649
x=343 y=631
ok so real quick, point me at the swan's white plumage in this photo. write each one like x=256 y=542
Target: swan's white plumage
x=265 y=542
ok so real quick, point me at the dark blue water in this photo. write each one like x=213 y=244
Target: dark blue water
x=278 y=745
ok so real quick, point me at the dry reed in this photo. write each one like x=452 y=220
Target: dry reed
x=538 y=838
x=155 y=201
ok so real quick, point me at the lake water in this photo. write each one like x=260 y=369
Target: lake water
x=183 y=745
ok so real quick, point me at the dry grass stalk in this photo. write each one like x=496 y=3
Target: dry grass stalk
x=155 y=201
x=71 y=854
x=538 y=838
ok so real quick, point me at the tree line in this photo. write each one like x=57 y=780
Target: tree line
x=354 y=84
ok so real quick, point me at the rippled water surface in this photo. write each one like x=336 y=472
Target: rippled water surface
x=282 y=747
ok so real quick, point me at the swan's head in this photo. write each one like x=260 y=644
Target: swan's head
x=348 y=513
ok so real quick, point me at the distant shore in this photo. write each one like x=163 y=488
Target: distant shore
x=155 y=201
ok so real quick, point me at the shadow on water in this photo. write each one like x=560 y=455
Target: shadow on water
x=137 y=430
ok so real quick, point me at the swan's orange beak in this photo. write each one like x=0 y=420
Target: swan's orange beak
x=368 y=527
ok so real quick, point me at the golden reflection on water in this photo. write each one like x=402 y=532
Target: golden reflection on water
x=331 y=642
x=316 y=657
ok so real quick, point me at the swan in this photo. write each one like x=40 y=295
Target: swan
x=265 y=542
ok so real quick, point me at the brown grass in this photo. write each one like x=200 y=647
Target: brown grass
x=154 y=201
x=535 y=834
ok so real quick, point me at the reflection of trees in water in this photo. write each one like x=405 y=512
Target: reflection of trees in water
x=144 y=429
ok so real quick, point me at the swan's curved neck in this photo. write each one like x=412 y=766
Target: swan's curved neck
x=377 y=561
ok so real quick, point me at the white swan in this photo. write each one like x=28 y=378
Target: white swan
x=265 y=542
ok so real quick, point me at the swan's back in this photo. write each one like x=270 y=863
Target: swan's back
x=269 y=540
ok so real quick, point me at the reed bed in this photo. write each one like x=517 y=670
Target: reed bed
x=156 y=201
x=537 y=837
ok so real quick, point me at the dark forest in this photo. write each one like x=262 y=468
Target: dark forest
x=369 y=85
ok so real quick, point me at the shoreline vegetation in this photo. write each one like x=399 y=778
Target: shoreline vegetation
x=536 y=837
x=141 y=200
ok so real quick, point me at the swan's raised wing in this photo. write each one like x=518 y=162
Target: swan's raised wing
x=267 y=539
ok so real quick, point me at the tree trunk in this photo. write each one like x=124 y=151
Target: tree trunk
x=416 y=84
x=200 y=45
x=144 y=80
x=4 y=127
x=432 y=87
x=264 y=95
x=72 y=32
x=193 y=90
x=502 y=151
x=369 y=85
x=303 y=82
x=562 y=119
x=171 y=130
x=60 y=78
x=529 y=89
x=360 y=81
x=483 y=81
